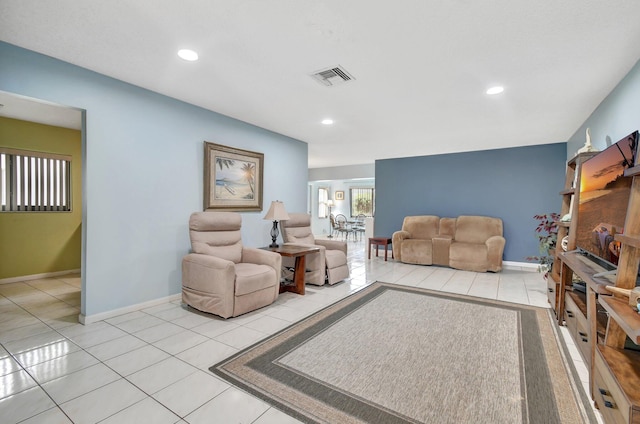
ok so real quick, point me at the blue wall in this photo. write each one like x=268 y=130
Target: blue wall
x=143 y=154
x=513 y=184
x=617 y=115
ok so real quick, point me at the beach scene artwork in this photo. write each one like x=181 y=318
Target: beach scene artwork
x=234 y=179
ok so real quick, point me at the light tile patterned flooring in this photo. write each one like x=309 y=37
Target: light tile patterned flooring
x=152 y=365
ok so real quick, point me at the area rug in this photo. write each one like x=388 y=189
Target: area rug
x=397 y=354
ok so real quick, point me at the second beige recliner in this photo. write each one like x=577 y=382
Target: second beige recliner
x=329 y=265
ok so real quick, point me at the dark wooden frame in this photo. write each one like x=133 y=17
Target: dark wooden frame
x=230 y=160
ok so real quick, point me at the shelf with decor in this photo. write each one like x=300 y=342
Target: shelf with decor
x=617 y=368
x=610 y=275
x=569 y=209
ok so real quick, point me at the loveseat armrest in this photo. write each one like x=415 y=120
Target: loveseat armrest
x=333 y=245
x=396 y=243
x=495 y=249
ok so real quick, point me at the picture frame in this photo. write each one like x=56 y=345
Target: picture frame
x=339 y=195
x=233 y=178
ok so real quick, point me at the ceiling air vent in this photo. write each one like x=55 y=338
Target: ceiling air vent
x=332 y=76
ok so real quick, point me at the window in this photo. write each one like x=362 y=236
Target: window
x=323 y=196
x=362 y=201
x=34 y=181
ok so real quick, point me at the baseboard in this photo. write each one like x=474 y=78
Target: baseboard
x=520 y=266
x=89 y=319
x=38 y=276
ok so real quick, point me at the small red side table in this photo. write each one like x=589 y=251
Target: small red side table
x=380 y=241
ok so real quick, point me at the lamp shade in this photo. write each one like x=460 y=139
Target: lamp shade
x=329 y=202
x=277 y=212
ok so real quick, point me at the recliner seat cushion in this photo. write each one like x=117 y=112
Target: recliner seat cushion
x=251 y=278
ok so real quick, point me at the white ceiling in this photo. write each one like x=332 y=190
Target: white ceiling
x=421 y=67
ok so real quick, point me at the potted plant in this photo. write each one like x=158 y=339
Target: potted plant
x=547 y=234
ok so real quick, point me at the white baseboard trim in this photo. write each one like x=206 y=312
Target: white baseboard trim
x=521 y=266
x=38 y=276
x=90 y=319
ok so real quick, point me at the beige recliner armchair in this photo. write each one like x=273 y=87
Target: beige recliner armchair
x=222 y=276
x=329 y=263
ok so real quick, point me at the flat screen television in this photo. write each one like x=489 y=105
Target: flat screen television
x=604 y=198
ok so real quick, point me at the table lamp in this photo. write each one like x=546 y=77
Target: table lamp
x=276 y=213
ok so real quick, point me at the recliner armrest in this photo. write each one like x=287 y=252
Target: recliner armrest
x=263 y=257
x=333 y=245
x=208 y=273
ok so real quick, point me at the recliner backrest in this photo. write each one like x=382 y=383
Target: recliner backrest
x=297 y=229
x=216 y=234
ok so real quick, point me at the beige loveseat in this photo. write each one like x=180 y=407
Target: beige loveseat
x=471 y=243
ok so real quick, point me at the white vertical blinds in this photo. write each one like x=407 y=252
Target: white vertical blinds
x=34 y=181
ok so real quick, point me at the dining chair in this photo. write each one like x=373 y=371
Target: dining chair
x=343 y=226
x=359 y=227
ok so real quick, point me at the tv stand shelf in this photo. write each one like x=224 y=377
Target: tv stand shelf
x=626 y=317
x=586 y=269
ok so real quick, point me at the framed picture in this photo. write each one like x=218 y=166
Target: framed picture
x=232 y=178
x=339 y=195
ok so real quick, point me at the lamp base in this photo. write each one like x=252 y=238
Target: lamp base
x=274 y=234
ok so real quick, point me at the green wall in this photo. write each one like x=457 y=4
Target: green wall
x=41 y=242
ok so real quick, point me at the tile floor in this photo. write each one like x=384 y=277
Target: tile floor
x=152 y=365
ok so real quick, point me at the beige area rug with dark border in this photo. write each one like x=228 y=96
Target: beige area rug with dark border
x=396 y=354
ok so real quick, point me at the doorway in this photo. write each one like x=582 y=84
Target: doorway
x=42 y=246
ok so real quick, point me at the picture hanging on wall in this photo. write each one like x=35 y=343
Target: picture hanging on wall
x=339 y=195
x=232 y=178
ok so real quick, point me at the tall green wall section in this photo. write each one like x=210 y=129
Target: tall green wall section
x=42 y=242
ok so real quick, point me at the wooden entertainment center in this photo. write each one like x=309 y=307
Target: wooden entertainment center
x=599 y=321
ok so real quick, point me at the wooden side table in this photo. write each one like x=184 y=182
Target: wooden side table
x=380 y=241
x=300 y=253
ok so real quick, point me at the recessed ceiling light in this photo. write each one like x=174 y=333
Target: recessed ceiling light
x=188 y=55
x=495 y=90
x=327 y=121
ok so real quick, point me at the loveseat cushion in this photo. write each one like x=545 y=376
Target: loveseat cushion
x=468 y=256
x=421 y=227
x=477 y=229
x=415 y=251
